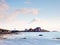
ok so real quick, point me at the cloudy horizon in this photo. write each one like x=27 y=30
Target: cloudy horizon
x=21 y=14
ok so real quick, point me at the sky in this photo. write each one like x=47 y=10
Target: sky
x=21 y=14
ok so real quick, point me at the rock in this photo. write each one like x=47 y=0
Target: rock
x=24 y=38
x=40 y=35
x=57 y=38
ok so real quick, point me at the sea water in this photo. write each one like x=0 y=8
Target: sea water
x=32 y=38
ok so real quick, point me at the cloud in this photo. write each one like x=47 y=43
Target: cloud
x=27 y=2
x=3 y=5
x=15 y=12
x=33 y=11
x=37 y=22
x=24 y=10
x=7 y=14
x=2 y=16
x=12 y=15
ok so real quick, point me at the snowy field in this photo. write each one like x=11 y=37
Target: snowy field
x=31 y=38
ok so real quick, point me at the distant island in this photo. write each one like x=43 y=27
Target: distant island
x=37 y=29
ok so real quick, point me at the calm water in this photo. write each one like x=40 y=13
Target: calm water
x=31 y=38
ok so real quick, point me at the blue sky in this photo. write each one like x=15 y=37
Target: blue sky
x=47 y=8
x=27 y=10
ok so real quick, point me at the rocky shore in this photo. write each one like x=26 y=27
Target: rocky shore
x=37 y=29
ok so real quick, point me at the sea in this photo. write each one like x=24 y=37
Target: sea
x=31 y=38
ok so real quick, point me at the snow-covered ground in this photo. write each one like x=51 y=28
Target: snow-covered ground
x=31 y=38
